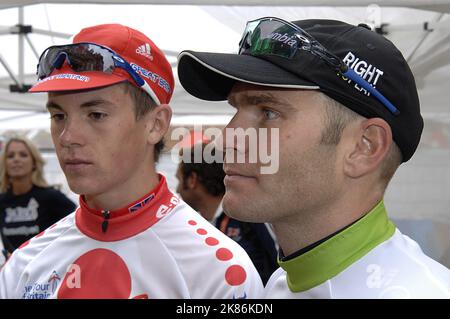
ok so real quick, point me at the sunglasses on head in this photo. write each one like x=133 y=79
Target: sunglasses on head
x=274 y=36
x=84 y=57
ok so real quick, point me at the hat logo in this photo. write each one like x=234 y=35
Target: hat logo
x=145 y=51
x=367 y=71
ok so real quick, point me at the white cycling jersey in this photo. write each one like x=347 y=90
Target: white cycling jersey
x=369 y=259
x=157 y=247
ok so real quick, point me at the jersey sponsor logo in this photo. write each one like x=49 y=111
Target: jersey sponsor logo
x=145 y=50
x=54 y=280
x=164 y=210
x=22 y=214
x=20 y=231
x=43 y=290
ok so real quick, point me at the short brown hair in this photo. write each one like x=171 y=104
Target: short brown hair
x=337 y=117
x=143 y=103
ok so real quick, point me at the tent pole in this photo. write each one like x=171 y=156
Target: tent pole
x=419 y=44
x=21 y=50
x=8 y=69
x=52 y=33
x=32 y=46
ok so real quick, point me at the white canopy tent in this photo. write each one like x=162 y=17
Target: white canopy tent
x=215 y=28
x=420 y=29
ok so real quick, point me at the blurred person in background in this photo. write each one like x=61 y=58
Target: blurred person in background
x=28 y=205
x=201 y=186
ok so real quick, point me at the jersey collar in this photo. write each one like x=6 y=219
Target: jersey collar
x=129 y=220
x=340 y=251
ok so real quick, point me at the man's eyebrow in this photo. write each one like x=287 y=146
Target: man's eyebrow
x=53 y=105
x=95 y=103
x=262 y=99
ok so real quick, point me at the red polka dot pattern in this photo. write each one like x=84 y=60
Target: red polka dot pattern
x=100 y=274
x=211 y=241
x=224 y=254
x=235 y=275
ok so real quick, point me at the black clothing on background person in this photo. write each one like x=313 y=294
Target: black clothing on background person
x=256 y=240
x=24 y=216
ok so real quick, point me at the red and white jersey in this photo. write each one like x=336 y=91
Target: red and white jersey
x=157 y=247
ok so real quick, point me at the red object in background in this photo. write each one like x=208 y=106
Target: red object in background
x=192 y=138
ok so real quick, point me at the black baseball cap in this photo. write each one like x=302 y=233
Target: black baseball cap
x=211 y=76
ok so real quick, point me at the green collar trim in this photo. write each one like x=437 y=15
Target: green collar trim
x=340 y=251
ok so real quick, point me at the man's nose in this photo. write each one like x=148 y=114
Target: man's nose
x=71 y=133
x=238 y=135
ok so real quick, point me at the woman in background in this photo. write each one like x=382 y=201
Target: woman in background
x=28 y=205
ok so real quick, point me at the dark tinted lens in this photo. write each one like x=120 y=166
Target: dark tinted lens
x=46 y=61
x=270 y=37
x=81 y=57
x=87 y=57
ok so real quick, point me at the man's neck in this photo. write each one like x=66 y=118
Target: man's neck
x=209 y=206
x=126 y=194
x=307 y=227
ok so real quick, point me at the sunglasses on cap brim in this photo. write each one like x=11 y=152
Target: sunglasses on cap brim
x=88 y=57
x=274 y=36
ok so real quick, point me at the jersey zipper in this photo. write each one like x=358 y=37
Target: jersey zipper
x=105 y=214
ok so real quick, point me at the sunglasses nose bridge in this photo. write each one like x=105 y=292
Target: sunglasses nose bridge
x=59 y=60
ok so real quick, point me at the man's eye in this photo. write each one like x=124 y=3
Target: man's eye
x=57 y=117
x=97 y=115
x=270 y=114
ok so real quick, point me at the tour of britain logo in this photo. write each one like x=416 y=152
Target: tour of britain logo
x=43 y=290
x=54 y=280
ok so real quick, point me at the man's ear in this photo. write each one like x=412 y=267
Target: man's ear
x=158 y=123
x=192 y=180
x=370 y=144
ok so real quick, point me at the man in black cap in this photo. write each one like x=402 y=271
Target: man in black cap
x=344 y=103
